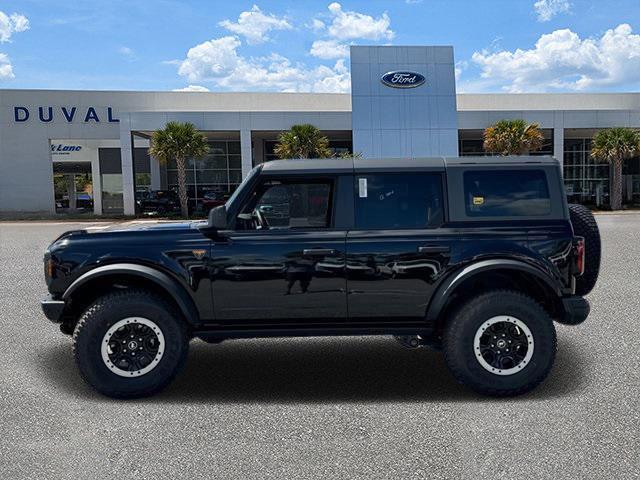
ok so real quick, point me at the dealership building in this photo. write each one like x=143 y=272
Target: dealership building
x=67 y=151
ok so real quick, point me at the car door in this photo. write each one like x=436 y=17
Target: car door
x=284 y=260
x=397 y=251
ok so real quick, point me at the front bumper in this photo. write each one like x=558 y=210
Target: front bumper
x=52 y=308
x=576 y=310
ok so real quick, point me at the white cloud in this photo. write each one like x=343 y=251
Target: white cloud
x=211 y=59
x=547 y=9
x=254 y=25
x=348 y=25
x=412 y=2
x=459 y=68
x=329 y=49
x=6 y=70
x=127 y=52
x=10 y=24
x=316 y=25
x=218 y=61
x=192 y=88
x=561 y=60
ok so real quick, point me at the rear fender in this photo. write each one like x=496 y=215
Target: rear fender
x=449 y=285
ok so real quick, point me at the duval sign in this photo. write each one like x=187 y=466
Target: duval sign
x=402 y=79
x=67 y=114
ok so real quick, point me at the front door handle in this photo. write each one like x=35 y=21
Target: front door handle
x=318 y=251
x=434 y=249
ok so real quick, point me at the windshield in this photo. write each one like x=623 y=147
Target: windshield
x=246 y=180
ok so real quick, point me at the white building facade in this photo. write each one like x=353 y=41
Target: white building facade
x=64 y=151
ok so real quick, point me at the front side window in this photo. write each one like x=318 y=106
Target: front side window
x=506 y=193
x=398 y=201
x=288 y=205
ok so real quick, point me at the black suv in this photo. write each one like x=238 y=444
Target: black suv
x=474 y=256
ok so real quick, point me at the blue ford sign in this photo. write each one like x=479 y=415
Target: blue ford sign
x=402 y=79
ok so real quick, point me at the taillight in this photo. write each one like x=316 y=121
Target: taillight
x=580 y=257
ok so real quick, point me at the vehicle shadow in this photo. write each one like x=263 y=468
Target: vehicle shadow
x=320 y=370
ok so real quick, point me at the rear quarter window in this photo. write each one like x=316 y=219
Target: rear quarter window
x=506 y=193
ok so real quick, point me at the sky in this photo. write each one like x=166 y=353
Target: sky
x=303 y=46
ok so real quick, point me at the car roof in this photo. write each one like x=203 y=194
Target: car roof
x=345 y=165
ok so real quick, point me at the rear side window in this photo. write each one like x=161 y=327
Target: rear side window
x=506 y=193
x=397 y=201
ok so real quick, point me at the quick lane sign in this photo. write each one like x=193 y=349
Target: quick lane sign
x=47 y=114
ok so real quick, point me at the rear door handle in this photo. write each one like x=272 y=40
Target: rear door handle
x=318 y=251
x=434 y=249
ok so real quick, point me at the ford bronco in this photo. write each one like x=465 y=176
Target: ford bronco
x=476 y=257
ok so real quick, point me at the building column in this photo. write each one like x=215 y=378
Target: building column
x=126 y=158
x=558 y=138
x=96 y=181
x=156 y=182
x=245 y=151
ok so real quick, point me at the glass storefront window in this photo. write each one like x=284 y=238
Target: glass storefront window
x=219 y=172
x=585 y=180
x=112 y=192
x=471 y=143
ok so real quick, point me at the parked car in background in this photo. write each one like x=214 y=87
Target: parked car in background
x=212 y=199
x=160 y=202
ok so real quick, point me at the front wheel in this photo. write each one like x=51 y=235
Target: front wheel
x=130 y=344
x=500 y=343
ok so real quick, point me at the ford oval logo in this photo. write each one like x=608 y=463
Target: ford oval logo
x=402 y=79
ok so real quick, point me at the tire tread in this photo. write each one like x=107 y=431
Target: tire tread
x=455 y=359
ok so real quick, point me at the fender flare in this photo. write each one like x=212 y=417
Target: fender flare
x=164 y=281
x=448 y=286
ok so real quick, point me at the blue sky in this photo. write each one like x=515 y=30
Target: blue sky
x=500 y=45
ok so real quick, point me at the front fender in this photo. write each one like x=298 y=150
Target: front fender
x=164 y=281
x=448 y=286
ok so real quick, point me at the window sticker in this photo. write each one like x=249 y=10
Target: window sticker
x=362 y=187
x=478 y=200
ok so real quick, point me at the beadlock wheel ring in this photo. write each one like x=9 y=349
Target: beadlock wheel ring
x=132 y=347
x=503 y=345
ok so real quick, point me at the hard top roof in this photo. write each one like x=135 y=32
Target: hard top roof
x=344 y=165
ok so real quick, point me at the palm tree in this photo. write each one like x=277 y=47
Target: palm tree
x=614 y=146
x=513 y=137
x=302 y=141
x=179 y=141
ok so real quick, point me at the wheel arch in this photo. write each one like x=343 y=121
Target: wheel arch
x=86 y=288
x=495 y=274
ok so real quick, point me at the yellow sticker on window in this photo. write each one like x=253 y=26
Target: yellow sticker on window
x=478 y=200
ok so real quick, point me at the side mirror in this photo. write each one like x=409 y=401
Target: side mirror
x=218 y=218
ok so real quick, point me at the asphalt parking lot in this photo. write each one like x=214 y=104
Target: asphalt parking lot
x=321 y=408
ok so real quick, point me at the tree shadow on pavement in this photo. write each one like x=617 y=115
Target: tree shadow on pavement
x=319 y=370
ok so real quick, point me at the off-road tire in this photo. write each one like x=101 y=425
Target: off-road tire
x=584 y=225
x=105 y=312
x=458 y=343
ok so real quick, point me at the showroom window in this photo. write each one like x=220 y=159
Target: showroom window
x=219 y=173
x=585 y=180
x=470 y=143
x=337 y=147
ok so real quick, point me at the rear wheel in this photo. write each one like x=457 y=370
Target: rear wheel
x=500 y=343
x=130 y=344
x=584 y=225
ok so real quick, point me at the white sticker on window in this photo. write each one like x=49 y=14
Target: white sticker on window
x=362 y=187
